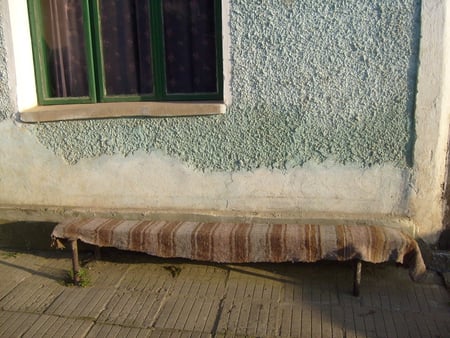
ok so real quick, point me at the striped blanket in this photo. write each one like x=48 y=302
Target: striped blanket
x=245 y=242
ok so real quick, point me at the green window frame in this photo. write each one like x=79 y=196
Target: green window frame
x=97 y=92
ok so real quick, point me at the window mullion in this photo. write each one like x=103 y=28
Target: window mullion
x=97 y=50
x=89 y=40
x=39 y=52
x=157 y=39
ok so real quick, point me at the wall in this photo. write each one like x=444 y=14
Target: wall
x=432 y=120
x=310 y=81
x=321 y=125
x=5 y=94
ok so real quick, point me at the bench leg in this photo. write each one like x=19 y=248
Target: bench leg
x=357 y=278
x=75 y=262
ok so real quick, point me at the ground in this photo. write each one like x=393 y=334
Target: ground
x=139 y=295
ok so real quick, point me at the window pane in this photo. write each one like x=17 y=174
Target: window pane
x=190 y=46
x=125 y=35
x=65 y=48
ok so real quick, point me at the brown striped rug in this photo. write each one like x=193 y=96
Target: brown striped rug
x=243 y=242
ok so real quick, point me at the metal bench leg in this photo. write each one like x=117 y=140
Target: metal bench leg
x=75 y=262
x=357 y=278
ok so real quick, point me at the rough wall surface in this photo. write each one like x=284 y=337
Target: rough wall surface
x=311 y=81
x=5 y=96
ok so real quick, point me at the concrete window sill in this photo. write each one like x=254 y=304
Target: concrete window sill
x=120 y=109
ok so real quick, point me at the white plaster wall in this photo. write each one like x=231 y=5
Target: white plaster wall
x=22 y=55
x=32 y=175
x=432 y=120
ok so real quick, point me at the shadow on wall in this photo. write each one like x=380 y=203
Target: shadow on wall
x=444 y=238
x=26 y=235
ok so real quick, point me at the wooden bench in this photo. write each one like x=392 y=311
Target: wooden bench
x=246 y=242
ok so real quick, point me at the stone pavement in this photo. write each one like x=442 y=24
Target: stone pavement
x=133 y=295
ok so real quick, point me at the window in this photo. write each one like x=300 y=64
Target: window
x=93 y=51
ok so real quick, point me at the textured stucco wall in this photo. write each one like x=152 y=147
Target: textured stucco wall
x=311 y=80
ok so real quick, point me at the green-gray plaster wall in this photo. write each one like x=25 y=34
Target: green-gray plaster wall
x=310 y=81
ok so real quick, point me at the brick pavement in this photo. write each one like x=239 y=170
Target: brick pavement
x=135 y=295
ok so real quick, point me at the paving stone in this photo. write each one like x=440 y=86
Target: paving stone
x=379 y=325
x=175 y=298
x=389 y=324
x=16 y=267
x=53 y=326
x=237 y=318
x=158 y=333
x=307 y=322
x=199 y=287
x=337 y=322
x=358 y=317
x=107 y=330
x=400 y=324
x=81 y=302
x=262 y=319
x=326 y=319
x=349 y=322
x=132 y=308
x=55 y=269
x=415 y=327
x=27 y=261
x=369 y=322
x=35 y=294
x=261 y=314
x=8 y=284
x=15 y=324
x=292 y=293
x=290 y=320
x=147 y=277
x=438 y=323
x=316 y=322
x=204 y=313
x=105 y=274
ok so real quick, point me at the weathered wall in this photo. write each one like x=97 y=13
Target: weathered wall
x=311 y=80
x=5 y=92
x=432 y=120
x=156 y=181
x=321 y=123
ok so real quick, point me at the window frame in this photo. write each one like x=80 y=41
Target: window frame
x=39 y=56
x=95 y=66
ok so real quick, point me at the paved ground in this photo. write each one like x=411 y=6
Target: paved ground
x=137 y=295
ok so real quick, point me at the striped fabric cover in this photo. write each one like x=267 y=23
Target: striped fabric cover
x=243 y=242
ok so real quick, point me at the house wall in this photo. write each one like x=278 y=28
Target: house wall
x=5 y=90
x=321 y=126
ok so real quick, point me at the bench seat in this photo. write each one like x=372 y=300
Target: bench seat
x=248 y=242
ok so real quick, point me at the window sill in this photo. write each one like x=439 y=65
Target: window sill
x=120 y=109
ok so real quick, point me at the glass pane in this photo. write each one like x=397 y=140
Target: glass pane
x=65 y=48
x=125 y=35
x=190 y=46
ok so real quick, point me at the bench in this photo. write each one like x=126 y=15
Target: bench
x=246 y=242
